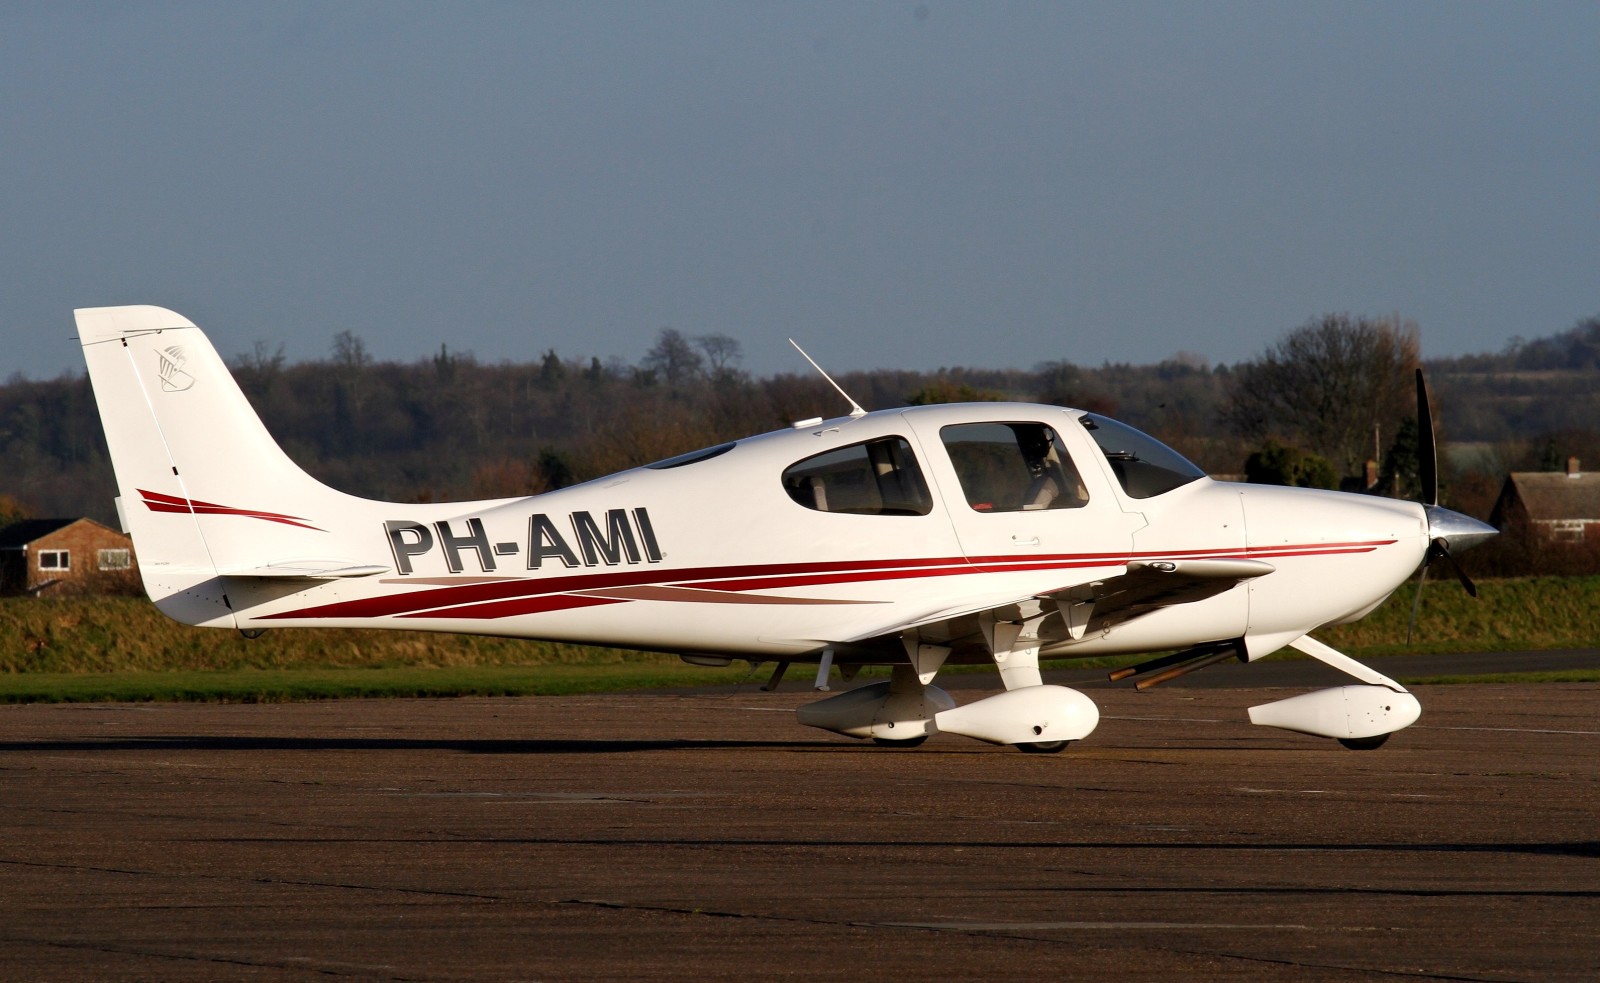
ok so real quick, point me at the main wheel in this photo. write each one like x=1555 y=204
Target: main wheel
x=904 y=742
x=1364 y=743
x=1043 y=747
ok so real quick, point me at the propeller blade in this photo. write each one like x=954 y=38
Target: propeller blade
x=1427 y=454
x=1461 y=575
x=1444 y=525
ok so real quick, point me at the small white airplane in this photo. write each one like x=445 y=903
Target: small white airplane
x=996 y=533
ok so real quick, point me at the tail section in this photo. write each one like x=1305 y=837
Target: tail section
x=203 y=489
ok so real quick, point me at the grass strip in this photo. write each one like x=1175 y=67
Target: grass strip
x=283 y=685
x=122 y=648
x=1552 y=676
x=287 y=685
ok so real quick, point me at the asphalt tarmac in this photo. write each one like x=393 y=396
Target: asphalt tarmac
x=710 y=837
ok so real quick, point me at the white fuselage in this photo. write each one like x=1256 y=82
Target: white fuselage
x=998 y=532
x=717 y=556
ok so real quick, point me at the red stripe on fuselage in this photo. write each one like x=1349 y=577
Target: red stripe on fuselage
x=477 y=593
x=515 y=606
x=505 y=598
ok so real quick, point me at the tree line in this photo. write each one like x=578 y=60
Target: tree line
x=1311 y=409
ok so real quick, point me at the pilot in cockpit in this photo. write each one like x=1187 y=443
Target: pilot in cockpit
x=1051 y=486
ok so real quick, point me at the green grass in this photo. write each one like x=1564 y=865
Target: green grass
x=281 y=685
x=1508 y=615
x=121 y=648
x=128 y=634
x=1554 y=676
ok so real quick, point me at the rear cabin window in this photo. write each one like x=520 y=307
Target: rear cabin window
x=878 y=477
x=1013 y=467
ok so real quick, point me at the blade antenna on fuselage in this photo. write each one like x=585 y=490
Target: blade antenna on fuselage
x=855 y=407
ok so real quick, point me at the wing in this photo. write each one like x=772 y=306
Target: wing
x=1150 y=585
x=1062 y=615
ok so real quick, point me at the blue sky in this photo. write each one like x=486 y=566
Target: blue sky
x=894 y=184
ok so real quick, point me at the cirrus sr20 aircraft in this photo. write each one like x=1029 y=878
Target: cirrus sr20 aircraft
x=994 y=533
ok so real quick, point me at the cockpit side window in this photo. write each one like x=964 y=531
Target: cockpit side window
x=878 y=477
x=1143 y=465
x=1013 y=467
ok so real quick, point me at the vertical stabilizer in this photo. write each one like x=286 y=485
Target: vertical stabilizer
x=203 y=487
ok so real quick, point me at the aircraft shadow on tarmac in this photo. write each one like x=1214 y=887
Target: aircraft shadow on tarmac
x=564 y=746
x=1583 y=849
x=225 y=743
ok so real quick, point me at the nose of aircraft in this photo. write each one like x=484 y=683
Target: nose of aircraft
x=1458 y=531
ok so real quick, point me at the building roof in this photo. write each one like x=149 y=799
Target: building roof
x=24 y=532
x=20 y=534
x=1550 y=496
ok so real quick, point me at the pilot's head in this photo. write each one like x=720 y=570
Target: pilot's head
x=1034 y=443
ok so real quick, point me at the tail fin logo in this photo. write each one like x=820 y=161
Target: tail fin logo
x=173 y=378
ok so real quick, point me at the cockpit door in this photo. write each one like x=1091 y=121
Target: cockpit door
x=1026 y=489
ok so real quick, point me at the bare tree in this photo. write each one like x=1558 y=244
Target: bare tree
x=258 y=369
x=673 y=358
x=721 y=352
x=350 y=351
x=1327 y=385
x=350 y=397
x=263 y=359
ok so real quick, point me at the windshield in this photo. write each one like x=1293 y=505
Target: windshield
x=1144 y=465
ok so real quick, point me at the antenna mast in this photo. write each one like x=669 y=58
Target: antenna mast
x=855 y=407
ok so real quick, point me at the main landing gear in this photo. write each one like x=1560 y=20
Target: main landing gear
x=906 y=710
x=1039 y=719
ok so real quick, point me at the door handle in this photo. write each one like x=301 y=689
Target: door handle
x=1024 y=540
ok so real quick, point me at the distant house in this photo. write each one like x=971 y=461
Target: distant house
x=1561 y=506
x=48 y=557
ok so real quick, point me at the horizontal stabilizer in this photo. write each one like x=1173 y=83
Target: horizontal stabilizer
x=310 y=570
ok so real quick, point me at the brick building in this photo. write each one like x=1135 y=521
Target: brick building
x=1559 y=506
x=51 y=557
